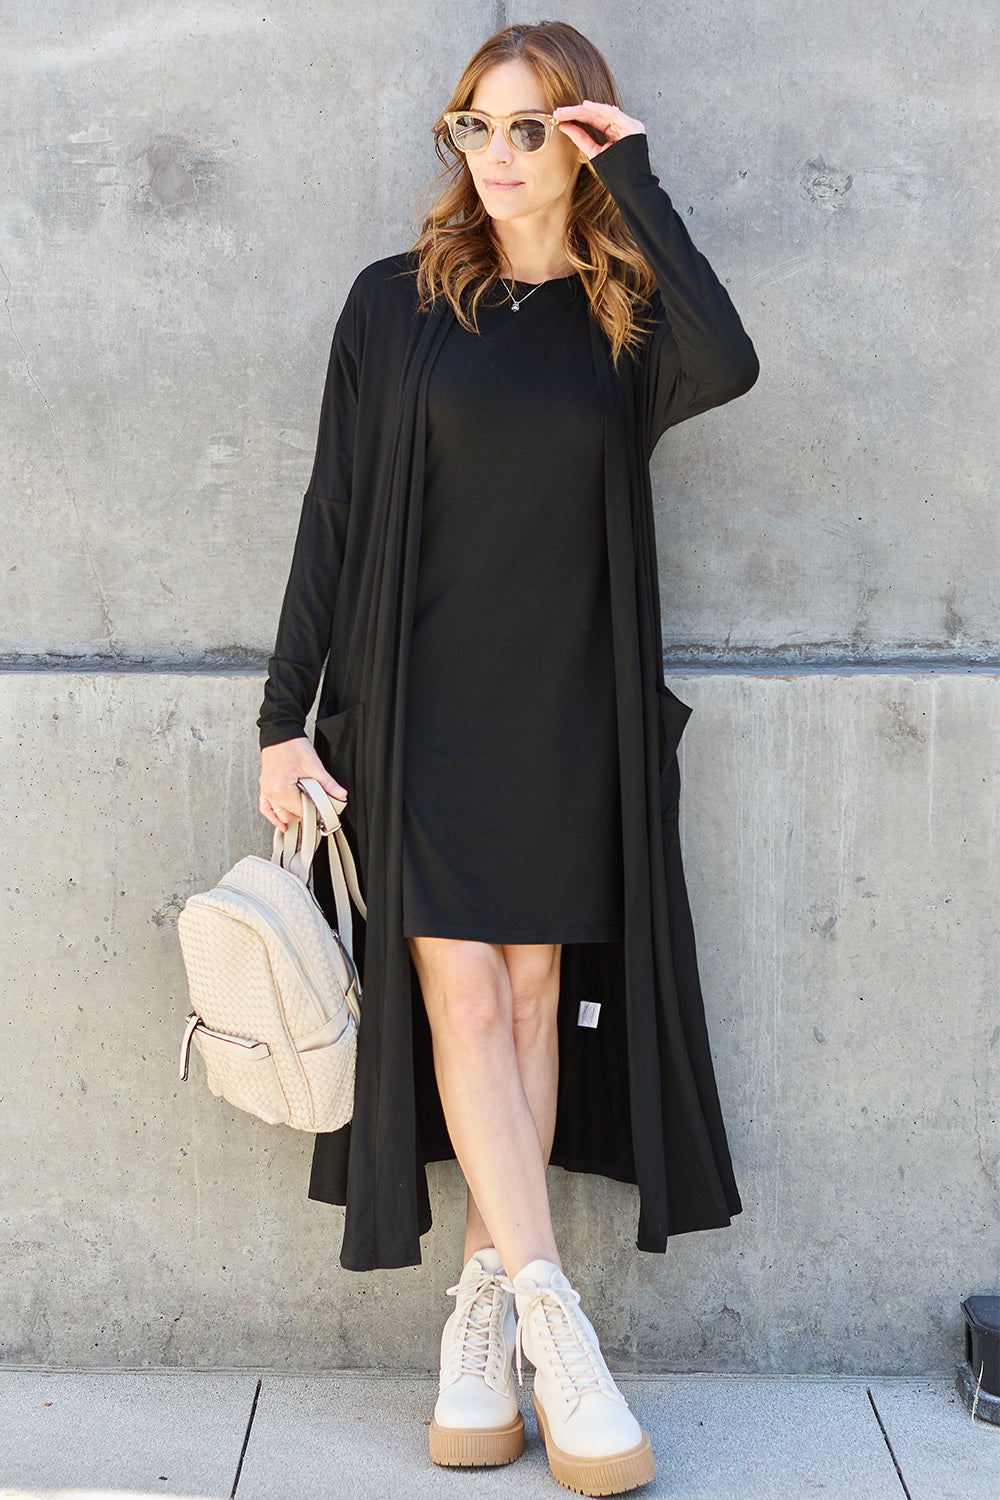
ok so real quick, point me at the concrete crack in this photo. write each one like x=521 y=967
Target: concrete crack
x=101 y=598
x=987 y=1166
x=246 y=1440
x=895 y=1460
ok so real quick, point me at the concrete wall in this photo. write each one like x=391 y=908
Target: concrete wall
x=843 y=852
x=191 y=190
x=187 y=193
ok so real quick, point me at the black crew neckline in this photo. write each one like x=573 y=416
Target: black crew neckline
x=498 y=297
x=549 y=281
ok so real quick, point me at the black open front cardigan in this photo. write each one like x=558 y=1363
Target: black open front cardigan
x=637 y=1096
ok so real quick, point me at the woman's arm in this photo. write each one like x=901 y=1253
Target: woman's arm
x=303 y=636
x=700 y=355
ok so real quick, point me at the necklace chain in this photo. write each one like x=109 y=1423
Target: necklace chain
x=515 y=305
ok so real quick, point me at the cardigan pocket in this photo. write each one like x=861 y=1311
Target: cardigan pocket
x=673 y=716
x=340 y=746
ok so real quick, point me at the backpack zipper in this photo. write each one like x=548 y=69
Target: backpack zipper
x=301 y=963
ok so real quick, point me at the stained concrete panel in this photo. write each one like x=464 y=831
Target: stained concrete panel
x=189 y=193
x=143 y=1433
x=132 y=1435
x=836 y=165
x=713 y=1439
x=840 y=836
x=943 y=1453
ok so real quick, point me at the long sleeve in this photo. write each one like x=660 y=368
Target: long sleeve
x=307 y=611
x=699 y=354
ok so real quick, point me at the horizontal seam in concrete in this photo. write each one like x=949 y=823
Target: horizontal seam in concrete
x=773 y=666
x=759 y=663
x=785 y=659
x=260 y=1372
x=229 y=665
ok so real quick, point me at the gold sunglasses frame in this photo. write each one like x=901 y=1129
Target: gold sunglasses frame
x=505 y=123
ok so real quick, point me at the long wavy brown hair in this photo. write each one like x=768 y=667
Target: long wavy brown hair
x=459 y=254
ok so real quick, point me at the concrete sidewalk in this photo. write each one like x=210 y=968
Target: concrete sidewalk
x=206 y=1436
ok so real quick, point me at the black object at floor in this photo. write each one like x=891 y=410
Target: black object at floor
x=978 y=1378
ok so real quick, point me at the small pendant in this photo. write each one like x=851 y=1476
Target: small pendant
x=515 y=306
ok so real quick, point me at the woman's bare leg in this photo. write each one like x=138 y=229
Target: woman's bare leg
x=492 y=1013
x=534 y=972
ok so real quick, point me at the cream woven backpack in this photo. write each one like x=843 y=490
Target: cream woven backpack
x=275 y=993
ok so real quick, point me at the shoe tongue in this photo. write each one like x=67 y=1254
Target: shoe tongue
x=539 y=1273
x=489 y=1260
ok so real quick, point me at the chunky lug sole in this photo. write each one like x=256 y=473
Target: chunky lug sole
x=477 y=1447
x=598 y=1476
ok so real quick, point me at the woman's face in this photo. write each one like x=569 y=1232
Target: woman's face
x=518 y=184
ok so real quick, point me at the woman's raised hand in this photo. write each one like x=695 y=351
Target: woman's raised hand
x=280 y=768
x=607 y=118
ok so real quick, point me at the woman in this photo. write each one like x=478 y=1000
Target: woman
x=476 y=558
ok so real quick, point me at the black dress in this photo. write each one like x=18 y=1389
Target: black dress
x=511 y=812
x=637 y=1096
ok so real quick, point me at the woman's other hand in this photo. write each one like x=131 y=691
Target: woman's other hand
x=606 y=118
x=280 y=769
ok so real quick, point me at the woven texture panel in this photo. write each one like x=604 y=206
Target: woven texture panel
x=277 y=978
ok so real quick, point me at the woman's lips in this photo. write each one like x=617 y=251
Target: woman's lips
x=500 y=186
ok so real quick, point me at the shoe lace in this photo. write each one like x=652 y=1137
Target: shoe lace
x=481 y=1304
x=577 y=1363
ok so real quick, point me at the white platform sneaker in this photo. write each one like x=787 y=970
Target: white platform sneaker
x=594 y=1444
x=476 y=1418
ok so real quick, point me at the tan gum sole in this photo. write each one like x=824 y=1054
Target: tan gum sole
x=599 y=1476
x=477 y=1447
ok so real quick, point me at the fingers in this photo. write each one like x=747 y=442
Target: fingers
x=332 y=788
x=282 y=766
x=280 y=802
x=282 y=808
x=587 y=145
x=275 y=815
x=607 y=118
x=585 y=110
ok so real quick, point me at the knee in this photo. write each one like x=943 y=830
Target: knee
x=534 y=982
x=473 y=1015
x=464 y=994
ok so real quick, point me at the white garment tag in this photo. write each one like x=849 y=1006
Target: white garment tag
x=590 y=1012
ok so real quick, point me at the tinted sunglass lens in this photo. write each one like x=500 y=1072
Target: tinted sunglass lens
x=528 y=135
x=470 y=133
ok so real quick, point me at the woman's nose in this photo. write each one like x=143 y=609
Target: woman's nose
x=497 y=148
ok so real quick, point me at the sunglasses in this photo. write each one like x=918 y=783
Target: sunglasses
x=471 y=130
